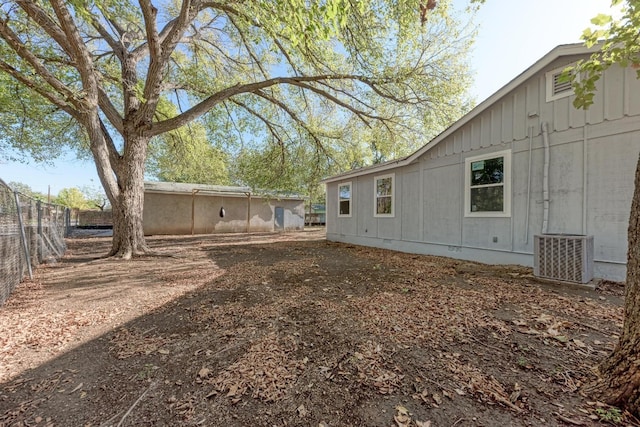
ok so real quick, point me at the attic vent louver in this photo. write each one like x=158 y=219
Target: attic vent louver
x=556 y=86
x=560 y=86
x=564 y=257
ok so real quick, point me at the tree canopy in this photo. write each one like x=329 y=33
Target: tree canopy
x=115 y=78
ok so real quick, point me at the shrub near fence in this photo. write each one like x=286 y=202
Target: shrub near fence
x=31 y=232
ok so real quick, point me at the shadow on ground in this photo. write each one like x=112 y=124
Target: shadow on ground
x=288 y=329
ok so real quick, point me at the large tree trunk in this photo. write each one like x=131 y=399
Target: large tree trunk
x=128 y=235
x=621 y=370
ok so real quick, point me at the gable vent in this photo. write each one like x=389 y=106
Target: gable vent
x=556 y=87
x=560 y=86
x=564 y=257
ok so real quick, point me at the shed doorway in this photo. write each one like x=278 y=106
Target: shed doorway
x=279 y=218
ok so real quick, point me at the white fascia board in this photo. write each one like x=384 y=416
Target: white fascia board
x=365 y=171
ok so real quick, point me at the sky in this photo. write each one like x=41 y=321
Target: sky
x=512 y=35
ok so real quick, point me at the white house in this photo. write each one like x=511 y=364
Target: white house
x=522 y=163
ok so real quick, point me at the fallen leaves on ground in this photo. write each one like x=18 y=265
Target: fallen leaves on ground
x=265 y=372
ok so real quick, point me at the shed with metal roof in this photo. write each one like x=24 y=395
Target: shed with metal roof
x=182 y=208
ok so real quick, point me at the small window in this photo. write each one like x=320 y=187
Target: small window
x=344 y=199
x=556 y=86
x=487 y=185
x=384 y=190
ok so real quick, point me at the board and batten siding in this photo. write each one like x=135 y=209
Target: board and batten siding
x=592 y=154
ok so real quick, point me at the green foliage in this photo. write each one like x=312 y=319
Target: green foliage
x=295 y=169
x=185 y=154
x=278 y=85
x=26 y=190
x=72 y=198
x=95 y=197
x=612 y=415
x=617 y=41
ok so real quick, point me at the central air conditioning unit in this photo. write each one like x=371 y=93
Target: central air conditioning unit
x=564 y=257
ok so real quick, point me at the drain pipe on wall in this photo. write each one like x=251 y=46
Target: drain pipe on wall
x=526 y=215
x=545 y=179
x=585 y=177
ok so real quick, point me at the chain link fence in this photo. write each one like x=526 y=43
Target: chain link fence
x=31 y=233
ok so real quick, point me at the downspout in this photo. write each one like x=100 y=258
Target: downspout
x=545 y=179
x=585 y=195
x=526 y=216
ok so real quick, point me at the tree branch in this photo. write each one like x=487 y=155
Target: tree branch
x=160 y=51
x=293 y=116
x=23 y=52
x=41 y=17
x=79 y=52
x=58 y=102
x=110 y=111
x=300 y=81
x=116 y=46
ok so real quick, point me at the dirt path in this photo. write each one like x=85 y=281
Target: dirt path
x=288 y=329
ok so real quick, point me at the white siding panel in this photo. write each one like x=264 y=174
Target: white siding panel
x=485 y=131
x=449 y=146
x=457 y=143
x=507 y=120
x=565 y=188
x=577 y=117
x=614 y=95
x=367 y=223
x=595 y=113
x=331 y=207
x=561 y=114
x=632 y=84
x=496 y=128
x=545 y=109
x=442 y=147
x=523 y=231
x=443 y=204
x=410 y=211
x=533 y=104
x=612 y=162
x=465 y=139
x=480 y=233
x=520 y=115
x=475 y=131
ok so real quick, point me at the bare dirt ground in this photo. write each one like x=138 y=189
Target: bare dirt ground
x=292 y=330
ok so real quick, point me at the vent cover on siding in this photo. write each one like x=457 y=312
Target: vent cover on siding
x=556 y=87
x=564 y=257
x=559 y=86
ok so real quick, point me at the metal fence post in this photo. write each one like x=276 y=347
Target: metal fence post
x=67 y=222
x=23 y=235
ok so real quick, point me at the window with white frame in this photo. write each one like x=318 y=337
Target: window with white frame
x=384 y=192
x=488 y=185
x=344 y=199
x=557 y=86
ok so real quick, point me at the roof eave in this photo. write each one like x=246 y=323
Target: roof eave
x=557 y=52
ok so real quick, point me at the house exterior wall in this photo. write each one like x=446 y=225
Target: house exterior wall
x=170 y=213
x=592 y=159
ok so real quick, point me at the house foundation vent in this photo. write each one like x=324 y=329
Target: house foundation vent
x=563 y=257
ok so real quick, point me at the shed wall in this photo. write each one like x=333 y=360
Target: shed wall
x=174 y=214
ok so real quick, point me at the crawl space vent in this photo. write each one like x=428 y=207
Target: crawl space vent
x=564 y=257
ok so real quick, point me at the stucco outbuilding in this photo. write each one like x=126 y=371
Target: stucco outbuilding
x=182 y=208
